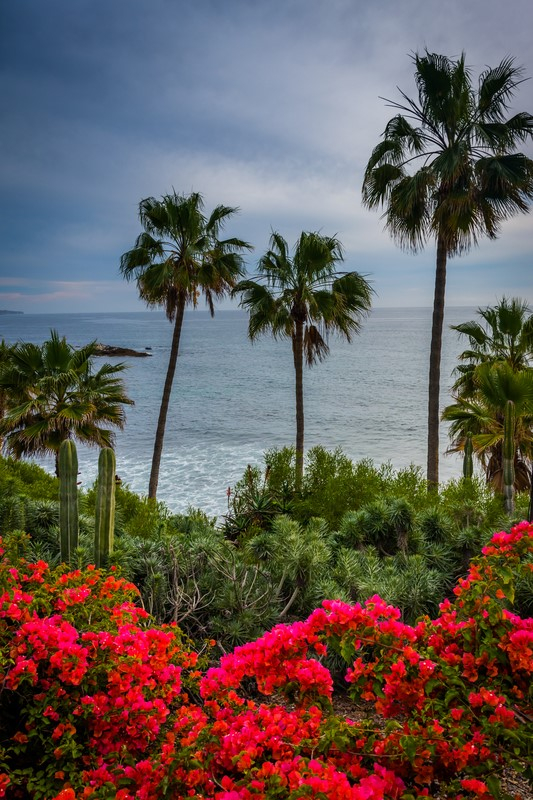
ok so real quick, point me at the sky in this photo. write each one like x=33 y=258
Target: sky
x=273 y=107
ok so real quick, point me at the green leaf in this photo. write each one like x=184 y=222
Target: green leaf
x=347 y=650
x=409 y=746
x=494 y=786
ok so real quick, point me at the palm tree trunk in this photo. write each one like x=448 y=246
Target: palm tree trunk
x=298 y=355
x=434 y=367
x=165 y=400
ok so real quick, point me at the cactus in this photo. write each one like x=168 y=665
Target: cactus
x=105 y=507
x=508 y=457
x=68 y=500
x=468 y=462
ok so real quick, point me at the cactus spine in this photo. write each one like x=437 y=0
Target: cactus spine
x=468 y=461
x=508 y=457
x=105 y=507
x=68 y=500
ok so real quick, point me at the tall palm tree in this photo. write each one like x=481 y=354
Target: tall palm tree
x=482 y=415
x=52 y=392
x=303 y=299
x=469 y=179
x=176 y=258
x=506 y=335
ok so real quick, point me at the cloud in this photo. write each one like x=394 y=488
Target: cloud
x=271 y=107
x=34 y=296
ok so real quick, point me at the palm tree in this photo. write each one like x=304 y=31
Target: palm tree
x=507 y=335
x=482 y=416
x=469 y=180
x=177 y=257
x=53 y=393
x=303 y=299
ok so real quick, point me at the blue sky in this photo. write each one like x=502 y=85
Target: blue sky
x=271 y=106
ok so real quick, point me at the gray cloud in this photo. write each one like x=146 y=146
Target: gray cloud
x=273 y=107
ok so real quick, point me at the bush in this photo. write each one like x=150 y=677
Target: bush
x=28 y=479
x=88 y=683
x=98 y=703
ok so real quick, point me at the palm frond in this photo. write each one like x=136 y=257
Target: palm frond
x=315 y=347
x=459 y=143
x=379 y=183
x=496 y=89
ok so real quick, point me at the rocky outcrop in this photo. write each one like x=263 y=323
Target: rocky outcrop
x=122 y=352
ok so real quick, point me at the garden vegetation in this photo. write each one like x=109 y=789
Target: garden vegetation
x=340 y=633
x=98 y=701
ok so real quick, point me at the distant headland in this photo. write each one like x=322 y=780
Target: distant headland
x=5 y=311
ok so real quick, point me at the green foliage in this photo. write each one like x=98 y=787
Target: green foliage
x=504 y=333
x=350 y=532
x=26 y=478
x=435 y=525
x=262 y=566
x=298 y=559
x=148 y=519
x=472 y=503
x=12 y=513
x=333 y=485
x=53 y=393
x=280 y=471
x=255 y=501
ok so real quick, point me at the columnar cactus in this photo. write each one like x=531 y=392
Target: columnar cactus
x=468 y=461
x=508 y=457
x=68 y=500
x=105 y=507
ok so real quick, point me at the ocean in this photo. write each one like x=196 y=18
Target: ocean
x=232 y=399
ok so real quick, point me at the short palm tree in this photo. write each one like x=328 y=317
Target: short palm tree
x=470 y=177
x=304 y=299
x=504 y=334
x=482 y=415
x=176 y=258
x=54 y=393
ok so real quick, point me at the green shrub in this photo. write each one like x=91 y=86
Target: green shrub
x=28 y=479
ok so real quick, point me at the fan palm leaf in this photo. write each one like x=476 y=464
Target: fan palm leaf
x=505 y=333
x=481 y=414
x=54 y=393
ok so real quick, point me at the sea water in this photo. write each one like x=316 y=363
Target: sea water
x=232 y=399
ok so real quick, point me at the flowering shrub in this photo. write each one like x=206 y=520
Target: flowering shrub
x=98 y=704
x=87 y=683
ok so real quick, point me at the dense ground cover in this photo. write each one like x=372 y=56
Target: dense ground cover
x=97 y=701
